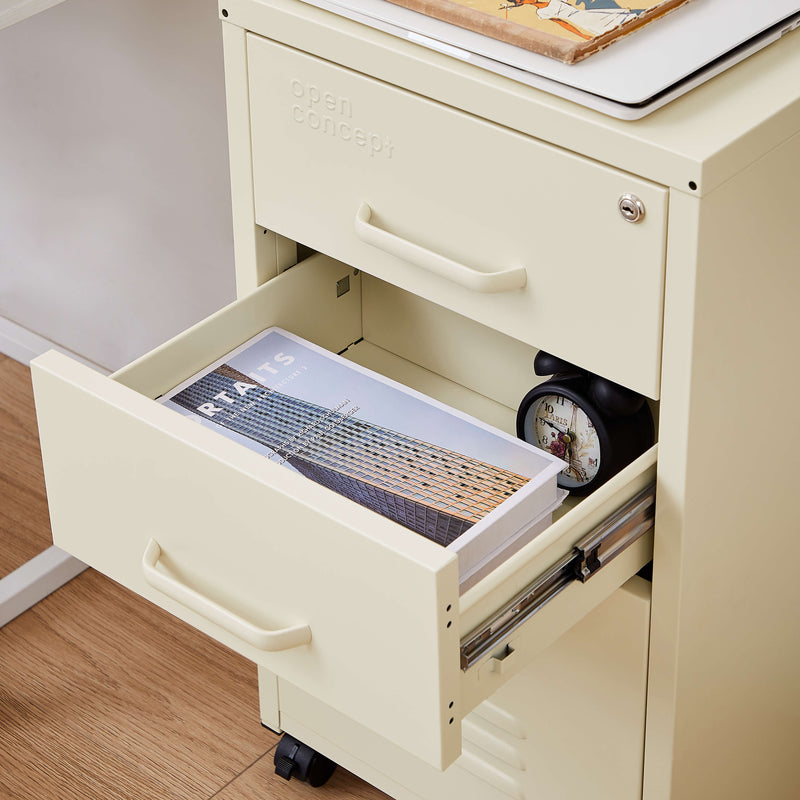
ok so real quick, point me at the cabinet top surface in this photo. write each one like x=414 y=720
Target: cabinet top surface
x=702 y=138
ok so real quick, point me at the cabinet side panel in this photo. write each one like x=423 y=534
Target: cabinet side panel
x=724 y=702
x=256 y=251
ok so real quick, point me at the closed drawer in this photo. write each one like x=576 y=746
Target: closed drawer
x=343 y=603
x=582 y=699
x=520 y=235
x=571 y=724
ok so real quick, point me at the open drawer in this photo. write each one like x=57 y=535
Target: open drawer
x=348 y=606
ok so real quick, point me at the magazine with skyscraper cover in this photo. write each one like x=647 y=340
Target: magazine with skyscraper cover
x=428 y=467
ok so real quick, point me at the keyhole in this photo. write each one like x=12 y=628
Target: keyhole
x=631 y=208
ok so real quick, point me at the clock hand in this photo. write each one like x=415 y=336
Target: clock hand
x=553 y=425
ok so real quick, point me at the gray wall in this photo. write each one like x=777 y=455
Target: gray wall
x=115 y=224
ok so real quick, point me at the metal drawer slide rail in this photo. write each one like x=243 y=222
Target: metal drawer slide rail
x=590 y=554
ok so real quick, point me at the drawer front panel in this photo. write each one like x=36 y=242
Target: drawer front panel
x=253 y=560
x=522 y=236
x=341 y=602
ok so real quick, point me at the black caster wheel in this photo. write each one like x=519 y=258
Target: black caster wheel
x=293 y=759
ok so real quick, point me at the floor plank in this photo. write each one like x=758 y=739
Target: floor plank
x=102 y=695
x=24 y=521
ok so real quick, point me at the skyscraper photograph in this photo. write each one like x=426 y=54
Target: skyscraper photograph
x=437 y=492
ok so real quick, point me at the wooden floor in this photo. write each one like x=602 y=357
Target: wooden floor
x=103 y=695
x=24 y=524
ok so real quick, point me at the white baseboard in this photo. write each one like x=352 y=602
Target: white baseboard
x=52 y=568
x=34 y=580
x=23 y=345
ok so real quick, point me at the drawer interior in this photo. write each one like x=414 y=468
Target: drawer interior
x=436 y=351
x=280 y=551
x=429 y=348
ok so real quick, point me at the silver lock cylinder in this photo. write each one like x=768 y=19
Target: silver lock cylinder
x=631 y=208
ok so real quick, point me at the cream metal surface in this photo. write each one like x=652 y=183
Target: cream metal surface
x=493 y=224
x=590 y=554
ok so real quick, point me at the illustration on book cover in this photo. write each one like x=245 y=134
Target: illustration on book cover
x=584 y=19
x=416 y=462
x=568 y=30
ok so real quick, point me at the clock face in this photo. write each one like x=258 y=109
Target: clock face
x=556 y=424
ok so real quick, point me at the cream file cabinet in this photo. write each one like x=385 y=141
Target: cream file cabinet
x=438 y=224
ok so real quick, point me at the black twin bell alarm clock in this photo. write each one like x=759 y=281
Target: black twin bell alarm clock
x=597 y=426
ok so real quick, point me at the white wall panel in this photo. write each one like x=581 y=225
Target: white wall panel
x=115 y=225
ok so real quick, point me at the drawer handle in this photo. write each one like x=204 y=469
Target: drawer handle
x=270 y=641
x=440 y=265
